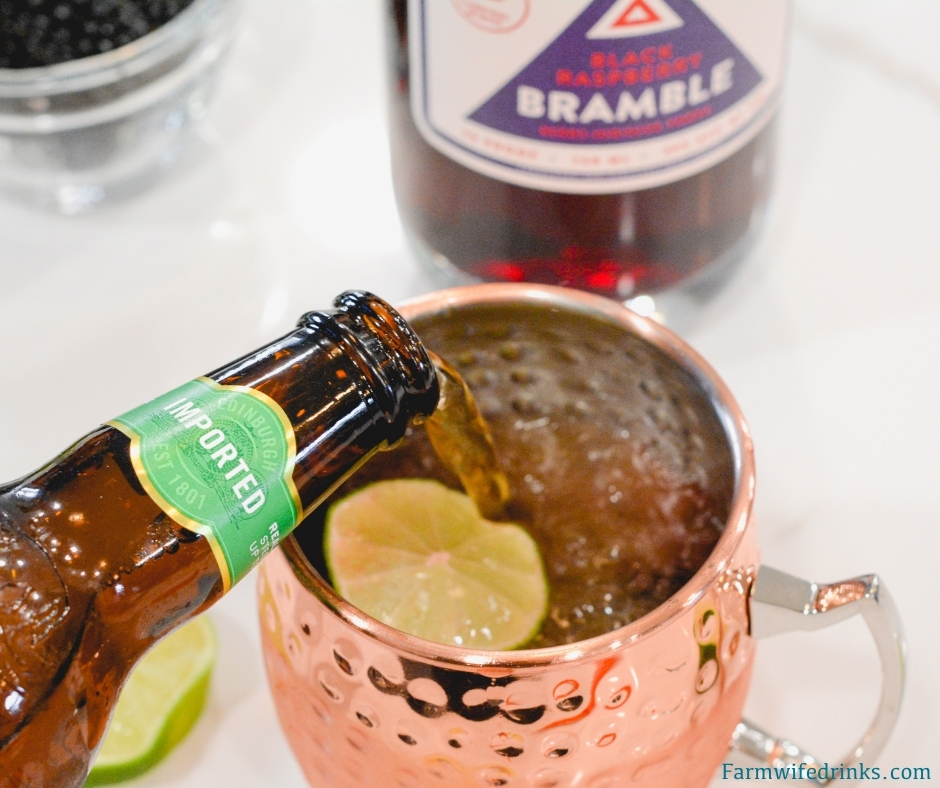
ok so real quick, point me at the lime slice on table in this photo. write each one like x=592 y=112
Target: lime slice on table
x=419 y=557
x=160 y=703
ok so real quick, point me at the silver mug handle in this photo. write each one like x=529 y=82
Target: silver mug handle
x=782 y=603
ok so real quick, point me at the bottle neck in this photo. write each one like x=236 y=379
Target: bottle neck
x=349 y=381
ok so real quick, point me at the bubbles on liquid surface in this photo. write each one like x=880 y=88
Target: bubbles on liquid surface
x=616 y=462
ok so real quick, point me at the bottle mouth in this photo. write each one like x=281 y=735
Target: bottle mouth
x=392 y=359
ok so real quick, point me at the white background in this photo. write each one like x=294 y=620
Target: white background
x=829 y=337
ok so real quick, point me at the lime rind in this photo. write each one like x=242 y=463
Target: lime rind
x=417 y=556
x=161 y=702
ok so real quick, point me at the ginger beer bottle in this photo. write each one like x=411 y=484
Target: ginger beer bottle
x=618 y=146
x=148 y=520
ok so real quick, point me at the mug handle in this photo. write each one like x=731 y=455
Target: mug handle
x=782 y=603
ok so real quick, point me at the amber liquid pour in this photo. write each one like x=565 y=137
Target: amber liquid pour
x=617 y=245
x=462 y=441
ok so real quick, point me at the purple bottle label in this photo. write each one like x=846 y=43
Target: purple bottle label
x=594 y=96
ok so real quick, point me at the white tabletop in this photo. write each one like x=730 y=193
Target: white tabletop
x=828 y=336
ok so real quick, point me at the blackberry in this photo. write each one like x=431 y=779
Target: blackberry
x=45 y=32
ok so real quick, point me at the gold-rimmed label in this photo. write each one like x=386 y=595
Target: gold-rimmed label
x=218 y=460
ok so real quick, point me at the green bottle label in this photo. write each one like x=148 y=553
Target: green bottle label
x=219 y=460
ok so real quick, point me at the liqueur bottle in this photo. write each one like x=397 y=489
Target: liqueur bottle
x=618 y=146
x=148 y=520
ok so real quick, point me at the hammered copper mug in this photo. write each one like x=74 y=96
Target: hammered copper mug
x=655 y=704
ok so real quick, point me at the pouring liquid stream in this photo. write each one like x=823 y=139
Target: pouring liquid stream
x=462 y=441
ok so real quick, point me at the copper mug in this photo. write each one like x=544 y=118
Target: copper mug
x=655 y=703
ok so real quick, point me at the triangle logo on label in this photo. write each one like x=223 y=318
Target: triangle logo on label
x=638 y=13
x=629 y=18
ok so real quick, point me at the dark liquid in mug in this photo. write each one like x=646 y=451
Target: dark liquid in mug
x=616 y=462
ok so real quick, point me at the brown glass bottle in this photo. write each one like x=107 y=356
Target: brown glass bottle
x=93 y=572
x=688 y=232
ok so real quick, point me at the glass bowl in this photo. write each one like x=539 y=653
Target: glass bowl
x=76 y=133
